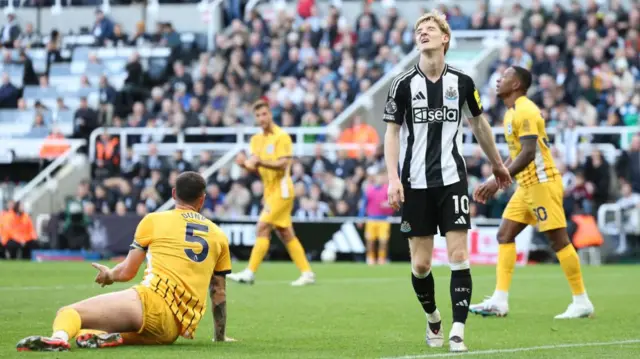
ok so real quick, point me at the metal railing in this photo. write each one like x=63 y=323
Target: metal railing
x=612 y=228
x=46 y=174
x=300 y=147
x=240 y=132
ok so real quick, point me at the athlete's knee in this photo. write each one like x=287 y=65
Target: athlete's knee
x=458 y=255
x=559 y=238
x=504 y=236
x=421 y=268
x=286 y=235
x=263 y=230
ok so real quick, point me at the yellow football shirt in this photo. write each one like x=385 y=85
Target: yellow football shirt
x=184 y=249
x=270 y=147
x=525 y=121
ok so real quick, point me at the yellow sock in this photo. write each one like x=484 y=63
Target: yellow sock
x=68 y=320
x=382 y=251
x=296 y=252
x=570 y=263
x=506 y=264
x=258 y=252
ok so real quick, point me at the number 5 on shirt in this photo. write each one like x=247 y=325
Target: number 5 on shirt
x=191 y=237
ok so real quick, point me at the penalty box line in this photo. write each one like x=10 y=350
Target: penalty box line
x=518 y=350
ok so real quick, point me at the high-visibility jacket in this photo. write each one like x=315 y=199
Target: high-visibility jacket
x=587 y=233
x=16 y=226
x=106 y=151
x=53 y=146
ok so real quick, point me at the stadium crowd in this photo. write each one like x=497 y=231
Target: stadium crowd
x=311 y=65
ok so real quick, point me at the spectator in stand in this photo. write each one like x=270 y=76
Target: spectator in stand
x=10 y=31
x=102 y=28
x=17 y=232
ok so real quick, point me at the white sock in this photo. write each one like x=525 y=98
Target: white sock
x=581 y=298
x=457 y=330
x=434 y=317
x=501 y=296
x=61 y=334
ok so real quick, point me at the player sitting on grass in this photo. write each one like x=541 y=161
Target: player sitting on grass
x=537 y=201
x=185 y=252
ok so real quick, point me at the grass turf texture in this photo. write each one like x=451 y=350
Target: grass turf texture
x=354 y=311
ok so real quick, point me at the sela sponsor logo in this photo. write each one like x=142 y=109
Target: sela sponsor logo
x=430 y=115
x=346 y=240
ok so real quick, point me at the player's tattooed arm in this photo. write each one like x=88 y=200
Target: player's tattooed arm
x=218 y=294
x=482 y=131
x=526 y=155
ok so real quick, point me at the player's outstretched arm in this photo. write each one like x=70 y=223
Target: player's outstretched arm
x=526 y=156
x=218 y=294
x=123 y=271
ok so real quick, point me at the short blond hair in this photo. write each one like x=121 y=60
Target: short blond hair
x=441 y=20
x=260 y=104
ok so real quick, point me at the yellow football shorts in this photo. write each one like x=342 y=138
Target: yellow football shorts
x=277 y=212
x=377 y=230
x=539 y=204
x=159 y=325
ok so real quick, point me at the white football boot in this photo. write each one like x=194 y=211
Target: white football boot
x=306 y=278
x=491 y=306
x=456 y=339
x=583 y=309
x=245 y=277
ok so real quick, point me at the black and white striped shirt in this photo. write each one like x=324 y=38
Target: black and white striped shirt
x=431 y=134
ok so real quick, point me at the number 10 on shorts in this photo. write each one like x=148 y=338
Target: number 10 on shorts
x=461 y=202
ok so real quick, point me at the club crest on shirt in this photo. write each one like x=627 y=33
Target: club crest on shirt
x=509 y=129
x=451 y=94
x=391 y=107
x=405 y=227
x=270 y=149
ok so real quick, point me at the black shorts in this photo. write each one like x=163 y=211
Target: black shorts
x=427 y=210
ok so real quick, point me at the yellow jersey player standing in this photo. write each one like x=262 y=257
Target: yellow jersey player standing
x=186 y=254
x=537 y=200
x=271 y=155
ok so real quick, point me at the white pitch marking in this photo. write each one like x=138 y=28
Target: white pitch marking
x=518 y=350
x=354 y=280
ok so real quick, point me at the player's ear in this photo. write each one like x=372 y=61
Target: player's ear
x=173 y=194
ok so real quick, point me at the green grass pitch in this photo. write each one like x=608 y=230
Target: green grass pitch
x=354 y=311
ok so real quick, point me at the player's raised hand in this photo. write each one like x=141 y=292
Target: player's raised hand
x=251 y=163
x=103 y=277
x=241 y=158
x=395 y=194
x=502 y=176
